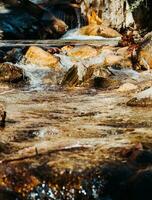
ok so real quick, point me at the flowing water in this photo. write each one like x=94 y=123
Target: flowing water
x=58 y=141
x=82 y=143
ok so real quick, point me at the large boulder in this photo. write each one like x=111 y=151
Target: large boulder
x=10 y=73
x=145 y=52
x=38 y=56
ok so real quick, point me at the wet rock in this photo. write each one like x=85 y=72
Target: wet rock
x=145 y=52
x=99 y=30
x=96 y=71
x=98 y=76
x=142 y=99
x=82 y=52
x=54 y=29
x=10 y=73
x=126 y=87
x=74 y=76
x=38 y=56
x=105 y=83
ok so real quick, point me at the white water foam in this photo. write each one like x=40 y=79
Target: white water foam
x=146 y=94
x=35 y=74
x=74 y=34
x=130 y=73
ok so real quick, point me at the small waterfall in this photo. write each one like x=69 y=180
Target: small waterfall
x=35 y=74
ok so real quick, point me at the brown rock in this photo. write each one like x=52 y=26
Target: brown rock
x=10 y=73
x=82 y=52
x=38 y=56
x=74 y=76
x=144 y=56
x=99 y=30
x=93 y=76
x=98 y=76
x=66 y=48
x=59 y=26
x=55 y=28
x=96 y=71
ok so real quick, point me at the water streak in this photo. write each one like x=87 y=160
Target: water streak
x=35 y=74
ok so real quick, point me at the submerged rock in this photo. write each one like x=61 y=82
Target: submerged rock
x=143 y=98
x=38 y=56
x=10 y=73
x=54 y=29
